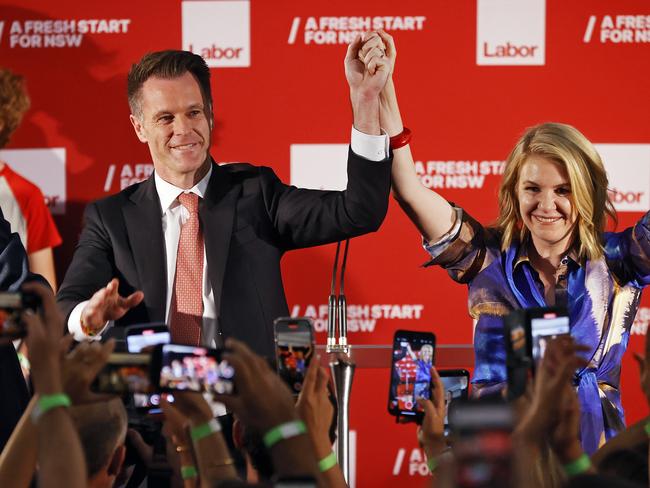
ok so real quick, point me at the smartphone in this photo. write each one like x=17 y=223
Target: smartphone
x=143 y=336
x=190 y=368
x=482 y=444
x=518 y=360
x=124 y=373
x=456 y=383
x=294 y=349
x=410 y=374
x=545 y=323
x=12 y=305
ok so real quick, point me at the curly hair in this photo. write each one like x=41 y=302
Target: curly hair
x=567 y=146
x=14 y=102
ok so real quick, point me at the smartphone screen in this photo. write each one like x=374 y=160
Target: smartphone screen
x=195 y=369
x=412 y=358
x=12 y=305
x=546 y=327
x=456 y=383
x=482 y=447
x=124 y=373
x=139 y=337
x=294 y=348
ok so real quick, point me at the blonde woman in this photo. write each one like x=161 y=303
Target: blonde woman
x=548 y=247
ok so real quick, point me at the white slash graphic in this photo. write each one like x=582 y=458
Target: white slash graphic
x=398 y=461
x=109 y=178
x=2 y=24
x=590 y=28
x=294 y=30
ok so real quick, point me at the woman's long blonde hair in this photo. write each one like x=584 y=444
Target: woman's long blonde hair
x=567 y=146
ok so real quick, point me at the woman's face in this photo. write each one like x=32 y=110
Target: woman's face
x=426 y=353
x=546 y=203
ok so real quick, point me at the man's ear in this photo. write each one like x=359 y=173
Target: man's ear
x=137 y=126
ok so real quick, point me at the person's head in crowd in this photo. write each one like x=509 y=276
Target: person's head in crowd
x=600 y=481
x=14 y=102
x=259 y=467
x=171 y=110
x=554 y=172
x=102 y=429
x=630 y=464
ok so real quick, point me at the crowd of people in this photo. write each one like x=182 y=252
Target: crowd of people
x=69 y=436
x=198 y=246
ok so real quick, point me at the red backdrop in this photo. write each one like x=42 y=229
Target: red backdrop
x=471 y=76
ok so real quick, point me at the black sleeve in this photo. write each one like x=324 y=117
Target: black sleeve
x=305 y=218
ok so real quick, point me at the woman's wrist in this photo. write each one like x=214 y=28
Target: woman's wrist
x=390 y=118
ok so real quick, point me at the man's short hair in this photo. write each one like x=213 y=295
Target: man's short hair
x=102 y=429
x=14 y=102
x=168 y=65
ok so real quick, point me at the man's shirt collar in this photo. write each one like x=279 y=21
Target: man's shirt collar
x=168 y=193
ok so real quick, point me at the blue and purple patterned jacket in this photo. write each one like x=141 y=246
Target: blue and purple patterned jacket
x=602 y=297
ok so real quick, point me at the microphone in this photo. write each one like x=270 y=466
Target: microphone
x=342 y=303
x=337 y=318
x=332 y=303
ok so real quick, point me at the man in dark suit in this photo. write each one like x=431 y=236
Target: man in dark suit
x=132 y=263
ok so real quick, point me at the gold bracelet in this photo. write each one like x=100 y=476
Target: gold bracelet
x=85 y=328
x=182 y=448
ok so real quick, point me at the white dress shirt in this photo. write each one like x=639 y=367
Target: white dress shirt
x=373 y=148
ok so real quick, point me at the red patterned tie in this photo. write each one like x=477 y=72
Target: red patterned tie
x=186 y=314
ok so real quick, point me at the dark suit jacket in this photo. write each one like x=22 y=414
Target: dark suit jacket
x=249 y=219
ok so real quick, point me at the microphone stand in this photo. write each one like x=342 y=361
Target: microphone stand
x=341 y=364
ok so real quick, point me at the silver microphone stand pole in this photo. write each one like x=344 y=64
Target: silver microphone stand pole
x=341 y=364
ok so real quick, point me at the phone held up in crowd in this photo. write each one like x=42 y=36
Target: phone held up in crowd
x=294 y=349
x=413 y=355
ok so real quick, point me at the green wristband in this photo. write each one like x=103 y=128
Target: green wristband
x=646 y=427
x=579 y=466
x=188 y=472
x=284 y=431
x=328 y=462
x=204 y=430
x=48 y=402
x=432 y=464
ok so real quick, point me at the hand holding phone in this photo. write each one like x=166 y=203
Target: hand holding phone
x=191 y=368
x=12 y=305
x=526 y=333
x=124 y=373
x=432 y=431
x=413 y=355
x=294 y=349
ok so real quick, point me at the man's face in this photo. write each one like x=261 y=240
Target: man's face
x=174 y=124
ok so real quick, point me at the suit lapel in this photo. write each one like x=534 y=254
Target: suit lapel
x=217 y=217
x=143 y=220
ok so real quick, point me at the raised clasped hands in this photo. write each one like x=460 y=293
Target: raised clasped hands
x=367 y=72
x=107 y=304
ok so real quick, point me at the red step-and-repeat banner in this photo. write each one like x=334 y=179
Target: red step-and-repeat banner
x=471 y=76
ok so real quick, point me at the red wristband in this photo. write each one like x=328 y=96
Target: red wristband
x=401 y=139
